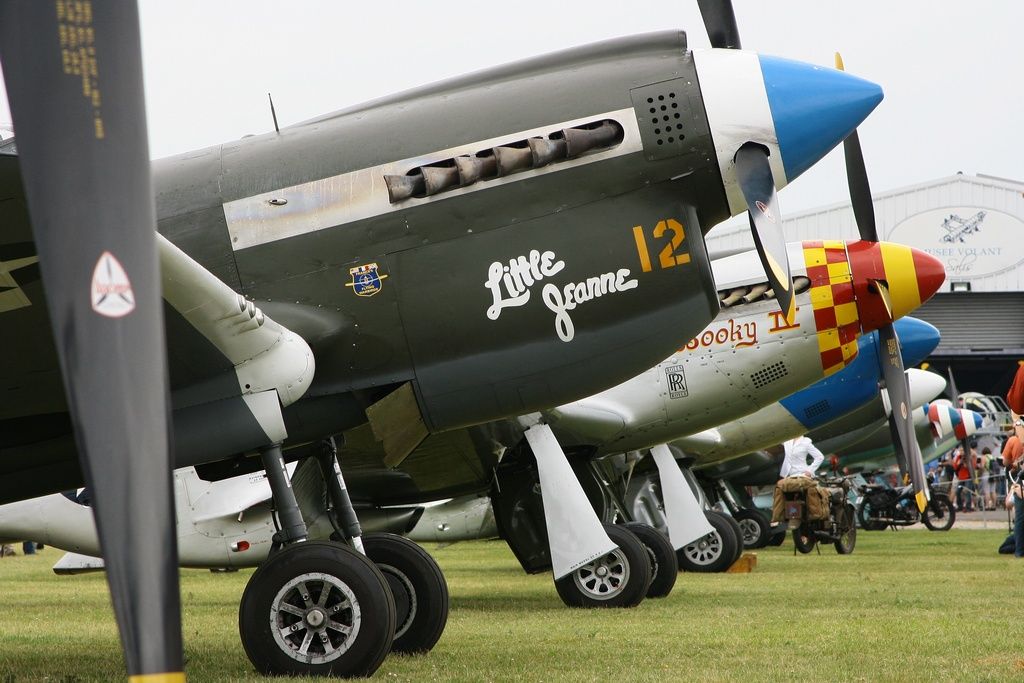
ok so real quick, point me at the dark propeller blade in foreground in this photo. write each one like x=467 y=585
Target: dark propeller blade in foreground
x=720 y=22
x=754 y=174
x=901 y=422
x=74 y=79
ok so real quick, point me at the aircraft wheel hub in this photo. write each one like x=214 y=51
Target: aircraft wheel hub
x=605 y=577
x=706 y=550
x=315 y=618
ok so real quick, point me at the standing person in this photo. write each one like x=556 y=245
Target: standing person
x=1012 y=461
x=796 y=463
x=947 y=474
x=964 y=485
x=997 y=479
x=988 y=493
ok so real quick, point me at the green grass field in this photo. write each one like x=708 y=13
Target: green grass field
x=909 y=605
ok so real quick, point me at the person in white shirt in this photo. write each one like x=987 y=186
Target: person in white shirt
x=795 y=462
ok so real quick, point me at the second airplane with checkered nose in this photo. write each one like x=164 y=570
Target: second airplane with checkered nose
x=750 y=357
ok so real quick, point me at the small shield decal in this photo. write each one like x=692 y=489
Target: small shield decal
x=112 y=294
x=366 y=279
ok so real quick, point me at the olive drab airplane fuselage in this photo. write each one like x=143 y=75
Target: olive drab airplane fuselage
x=488 y=246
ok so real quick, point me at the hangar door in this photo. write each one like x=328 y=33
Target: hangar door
x=988 y=323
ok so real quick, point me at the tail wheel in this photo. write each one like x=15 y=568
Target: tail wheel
x=753 y=527
x=419 y=589
x=847 y=530
x=940 y=514
x=317 y=609
x=664 y=564
x=712 y=553
x=619 y=578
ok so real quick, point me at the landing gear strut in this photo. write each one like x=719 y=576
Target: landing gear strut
x=416 y=582
x=313 y=608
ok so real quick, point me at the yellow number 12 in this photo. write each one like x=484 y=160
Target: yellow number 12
x=667 y=258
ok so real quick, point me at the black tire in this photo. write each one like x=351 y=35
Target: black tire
x=864 y=513
x=290 y=578
x=625 y=584
x=737 y=532
x=754 y=528
x=804 y=540
x=847 y=523
x=664 y=565
x=713 y=553
x=940 y=513
x=419 y=589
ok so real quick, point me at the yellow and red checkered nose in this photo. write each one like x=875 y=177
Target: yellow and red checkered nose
x=909 y=275
x=835 y=310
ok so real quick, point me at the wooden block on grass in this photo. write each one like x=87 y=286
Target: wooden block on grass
x=744 y=565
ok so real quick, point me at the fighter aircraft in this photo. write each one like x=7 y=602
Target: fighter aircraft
x=394 y=256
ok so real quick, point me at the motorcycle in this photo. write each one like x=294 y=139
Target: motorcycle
x=883 y=507
x=840 y=528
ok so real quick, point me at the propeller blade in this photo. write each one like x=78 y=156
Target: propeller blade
x=857 y=179
x=901 y=420
x=74 y=80
x=754 y=174
x=953 y=393
x=720 y=22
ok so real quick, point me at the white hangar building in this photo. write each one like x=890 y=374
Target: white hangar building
x=975 y=226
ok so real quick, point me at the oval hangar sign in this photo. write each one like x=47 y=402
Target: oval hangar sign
x=971 y=242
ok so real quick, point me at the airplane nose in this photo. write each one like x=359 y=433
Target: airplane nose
x=891 y=280
x=924 y=385
x=813 y=108
x=917 y=339
x=946 y=419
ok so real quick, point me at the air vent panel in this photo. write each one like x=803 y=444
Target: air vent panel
x=817 y=409
x=768 y=374
x=665 y=117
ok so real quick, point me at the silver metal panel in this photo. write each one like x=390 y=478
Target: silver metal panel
x=362 y=194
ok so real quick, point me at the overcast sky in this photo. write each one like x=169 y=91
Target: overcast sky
x=952 y=71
